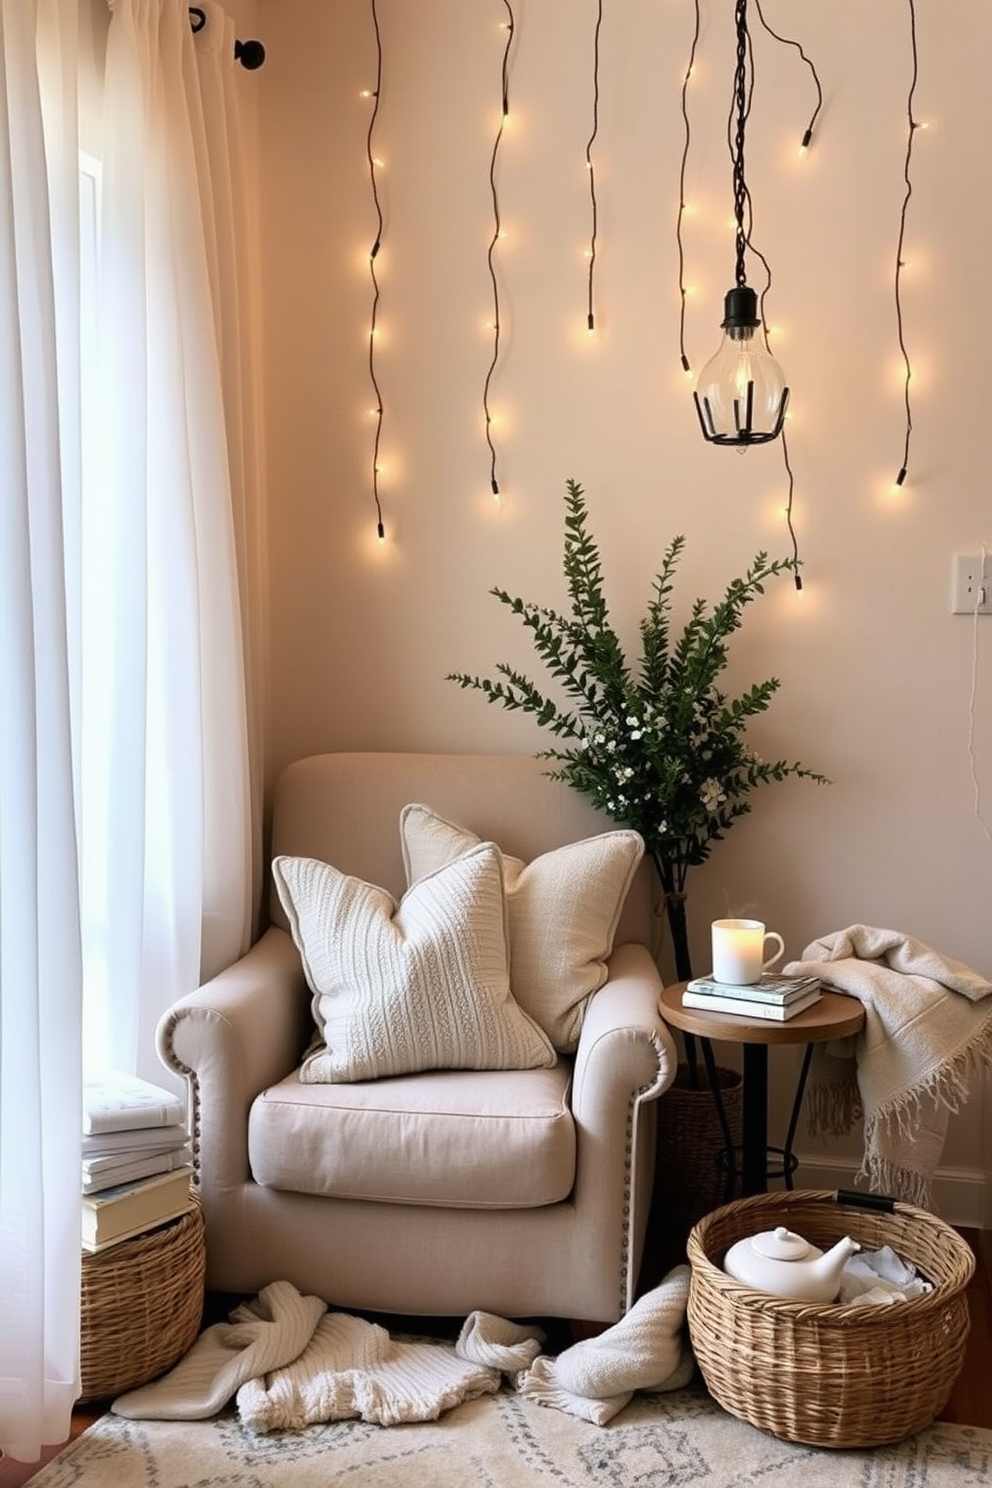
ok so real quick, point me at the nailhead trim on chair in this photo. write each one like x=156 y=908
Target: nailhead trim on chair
x=193 y=1085
x=628 y=1170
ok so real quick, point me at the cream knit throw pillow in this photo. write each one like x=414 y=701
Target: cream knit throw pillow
x=564 y=907
x=416 y=986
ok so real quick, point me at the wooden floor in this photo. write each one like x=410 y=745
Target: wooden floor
x=970 y=1403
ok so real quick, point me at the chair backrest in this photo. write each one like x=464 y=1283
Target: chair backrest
x=345 y=808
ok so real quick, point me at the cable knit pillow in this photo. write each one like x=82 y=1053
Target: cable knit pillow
x=418 y=985
x=564 y=907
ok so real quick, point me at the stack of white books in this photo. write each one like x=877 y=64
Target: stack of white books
x=137 y=1160
x=776 y=996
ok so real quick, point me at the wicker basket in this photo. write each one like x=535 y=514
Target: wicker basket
x=142 y=1303
x=690 y=1174
x=825 y=1374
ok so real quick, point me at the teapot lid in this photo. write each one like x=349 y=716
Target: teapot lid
x=781 y=1244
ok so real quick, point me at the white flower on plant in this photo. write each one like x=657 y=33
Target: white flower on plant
x=712 y=793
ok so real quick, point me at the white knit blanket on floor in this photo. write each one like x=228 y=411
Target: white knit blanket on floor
x=928 y=1029
x=290 y=1363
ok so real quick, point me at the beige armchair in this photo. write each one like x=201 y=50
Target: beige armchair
x=522 y=1192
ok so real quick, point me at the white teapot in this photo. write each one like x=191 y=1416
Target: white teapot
x=786 y=1265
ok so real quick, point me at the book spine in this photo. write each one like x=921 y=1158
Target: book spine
x=744 y=994
x=754 y=992
x=773 y=1013
x=93 y=1247
x=108 y=1116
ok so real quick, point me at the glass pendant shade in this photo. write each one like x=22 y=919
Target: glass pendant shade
x=741 y=396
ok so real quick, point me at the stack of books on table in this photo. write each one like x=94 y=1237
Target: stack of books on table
x=137 y=1162
x=776 y=996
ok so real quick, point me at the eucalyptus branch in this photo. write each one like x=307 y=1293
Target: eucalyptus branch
x=653 y=743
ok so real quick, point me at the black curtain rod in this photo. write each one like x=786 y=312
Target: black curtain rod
x=250 y=54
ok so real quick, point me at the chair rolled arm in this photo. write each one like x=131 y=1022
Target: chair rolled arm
x=234 y=1036
x=625 y=1048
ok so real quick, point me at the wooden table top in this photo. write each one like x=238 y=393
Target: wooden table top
x=834 y=1016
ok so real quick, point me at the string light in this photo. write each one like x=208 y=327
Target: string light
x=911 y=129
x=786 y=457
x=373 y=254
x=804 y=145
x=590 y=313
x=788 y=41
x=683 y=291
x=509 y=26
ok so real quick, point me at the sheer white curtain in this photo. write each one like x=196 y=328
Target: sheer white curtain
x=166 y=798
x=126 y=803
x=231 y=257
x=40 y=973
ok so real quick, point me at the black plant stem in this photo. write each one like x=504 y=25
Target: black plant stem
x=678 y=928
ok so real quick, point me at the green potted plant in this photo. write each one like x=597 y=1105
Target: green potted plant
x=654 y=742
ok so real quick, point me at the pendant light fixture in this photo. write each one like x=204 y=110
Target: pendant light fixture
x=741 y=396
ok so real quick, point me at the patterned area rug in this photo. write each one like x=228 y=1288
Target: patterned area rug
x=682 y=1440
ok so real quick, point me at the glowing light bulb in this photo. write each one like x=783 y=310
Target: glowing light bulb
x=741 y=396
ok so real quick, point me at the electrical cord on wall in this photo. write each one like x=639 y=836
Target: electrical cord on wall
x=594 y=206
x=373 y=254
x=682 y=171
x=806 y=140
x=788 y=41
x=497 y=228
x=981 y=597
x=790 y=476
x=912 y=127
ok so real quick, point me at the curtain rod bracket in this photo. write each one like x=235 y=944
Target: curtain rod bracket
x=250 y=54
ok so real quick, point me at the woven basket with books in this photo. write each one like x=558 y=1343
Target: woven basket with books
x=142 y=1304
x=827 y=1374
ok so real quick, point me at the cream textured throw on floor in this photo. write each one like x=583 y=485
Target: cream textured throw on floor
x=293 y=1364
x=353 y=1368
x=928 y=1029
x=261 y=1336
x=645 y=1350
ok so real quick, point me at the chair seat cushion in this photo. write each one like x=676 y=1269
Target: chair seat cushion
x=501 y=1139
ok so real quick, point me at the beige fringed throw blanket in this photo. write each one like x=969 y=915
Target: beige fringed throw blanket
x=928 y=1028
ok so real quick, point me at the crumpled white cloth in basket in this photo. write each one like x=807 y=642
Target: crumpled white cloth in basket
x=880 y=1276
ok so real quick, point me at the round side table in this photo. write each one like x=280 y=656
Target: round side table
x=834 y=1016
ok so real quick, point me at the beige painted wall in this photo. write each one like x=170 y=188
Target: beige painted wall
x=877 y=675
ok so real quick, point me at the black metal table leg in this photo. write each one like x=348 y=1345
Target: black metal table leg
x=754 y=1153
x=730 y=1151
x=789 y=1160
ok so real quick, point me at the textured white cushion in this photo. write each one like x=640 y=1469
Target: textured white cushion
x=563 y=911
x=415 y=986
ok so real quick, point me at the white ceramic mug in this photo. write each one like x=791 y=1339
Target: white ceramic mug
x=739 y=951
